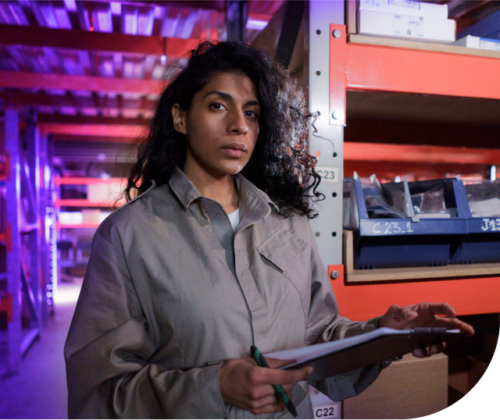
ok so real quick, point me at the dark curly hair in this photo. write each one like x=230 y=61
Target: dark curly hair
x=280 y=165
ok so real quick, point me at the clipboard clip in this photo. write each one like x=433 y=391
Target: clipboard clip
x=426 y=336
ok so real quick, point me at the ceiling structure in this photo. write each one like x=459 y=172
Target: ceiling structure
x=94 y=69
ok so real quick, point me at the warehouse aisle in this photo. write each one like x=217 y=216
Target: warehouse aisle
x=39 y=389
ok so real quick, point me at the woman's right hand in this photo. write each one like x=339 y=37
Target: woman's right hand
x=245 y=385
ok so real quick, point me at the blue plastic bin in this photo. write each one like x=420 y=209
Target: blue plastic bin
x=409 y=241
x=482 y=244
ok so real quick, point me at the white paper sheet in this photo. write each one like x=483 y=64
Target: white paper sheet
x=304 y=354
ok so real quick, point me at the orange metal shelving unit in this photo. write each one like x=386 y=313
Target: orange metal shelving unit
x=83 y=202
x=377 y=68
x=86 y=203
x=86 y=181
x=77 y=226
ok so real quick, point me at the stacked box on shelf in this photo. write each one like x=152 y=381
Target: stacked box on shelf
x=488 y=27
x=479 y=43
x=405 y=19
x=107 y=192
x=401 y=238
x=482 y=244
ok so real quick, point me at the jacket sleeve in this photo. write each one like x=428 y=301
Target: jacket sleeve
x=108 y=348
x=325 y=324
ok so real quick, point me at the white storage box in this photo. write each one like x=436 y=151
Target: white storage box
x=70 y=217
x=406 y=7
x=406 y=27
x=91 y=216
x=104 y=192
x=479 y=43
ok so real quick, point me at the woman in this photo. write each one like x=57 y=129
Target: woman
x=213 y=255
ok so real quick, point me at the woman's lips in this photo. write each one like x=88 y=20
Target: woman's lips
x=234 y=150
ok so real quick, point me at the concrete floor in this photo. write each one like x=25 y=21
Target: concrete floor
x=39 y=389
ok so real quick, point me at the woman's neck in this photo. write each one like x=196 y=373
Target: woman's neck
x=220 y=189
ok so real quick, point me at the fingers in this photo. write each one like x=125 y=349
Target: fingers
x=454 y=324
x=426 y=352
x=409 y=312
x=268 y=403
x=263 y=399
x=394 y=312
x=279 y=377
x=403 y=314
x=277 y=363
x=270 y=408
x=442 y=309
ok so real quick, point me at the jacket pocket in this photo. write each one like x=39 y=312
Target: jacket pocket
x=282 y=249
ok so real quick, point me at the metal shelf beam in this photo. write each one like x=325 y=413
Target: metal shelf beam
x=391 y=69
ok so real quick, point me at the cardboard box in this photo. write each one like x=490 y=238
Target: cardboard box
x=417 y=28
x=70 y=217
x=91 y=216
x=458 y=374
x=466 y=372
x=409 y=388
x=489 y=344
x=104 y=192
x=477 y=368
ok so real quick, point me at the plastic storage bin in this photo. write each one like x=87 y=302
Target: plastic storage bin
x=482 y=244
x=416 y=224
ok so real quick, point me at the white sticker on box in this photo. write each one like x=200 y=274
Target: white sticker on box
x=328 y=174
x=408 y=26
x=489 y=45
x=323 y=407
x=326 y=412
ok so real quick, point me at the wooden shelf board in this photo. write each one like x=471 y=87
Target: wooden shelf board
x=417 y=273
x=409 y=273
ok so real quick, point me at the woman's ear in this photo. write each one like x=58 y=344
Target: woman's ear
x=179 y=119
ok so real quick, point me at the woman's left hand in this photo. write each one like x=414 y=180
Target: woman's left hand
x=424 y=315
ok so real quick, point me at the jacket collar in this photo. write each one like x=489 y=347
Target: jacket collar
x=251 y=196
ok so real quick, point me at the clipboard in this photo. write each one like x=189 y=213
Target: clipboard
x=369 y=349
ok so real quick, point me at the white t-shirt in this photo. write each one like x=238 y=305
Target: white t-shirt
x=234 y=218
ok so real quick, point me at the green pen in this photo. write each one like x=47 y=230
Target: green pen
x=283 y=396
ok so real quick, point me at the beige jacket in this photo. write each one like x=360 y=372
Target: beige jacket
x=160 y=308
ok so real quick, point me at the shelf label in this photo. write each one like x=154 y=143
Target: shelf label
x=408 y=26
x=491 y=225
x=327 y=412
x=328 y=174
x=489 y=44
x=392 y=228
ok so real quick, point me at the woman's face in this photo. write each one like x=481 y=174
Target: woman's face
x=221 y=126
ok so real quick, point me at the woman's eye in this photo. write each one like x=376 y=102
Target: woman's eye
x=217 y=106
x=252 y=114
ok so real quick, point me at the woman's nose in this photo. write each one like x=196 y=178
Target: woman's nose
x=237 y=124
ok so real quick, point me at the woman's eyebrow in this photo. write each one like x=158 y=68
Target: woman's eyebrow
x=228 y=97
